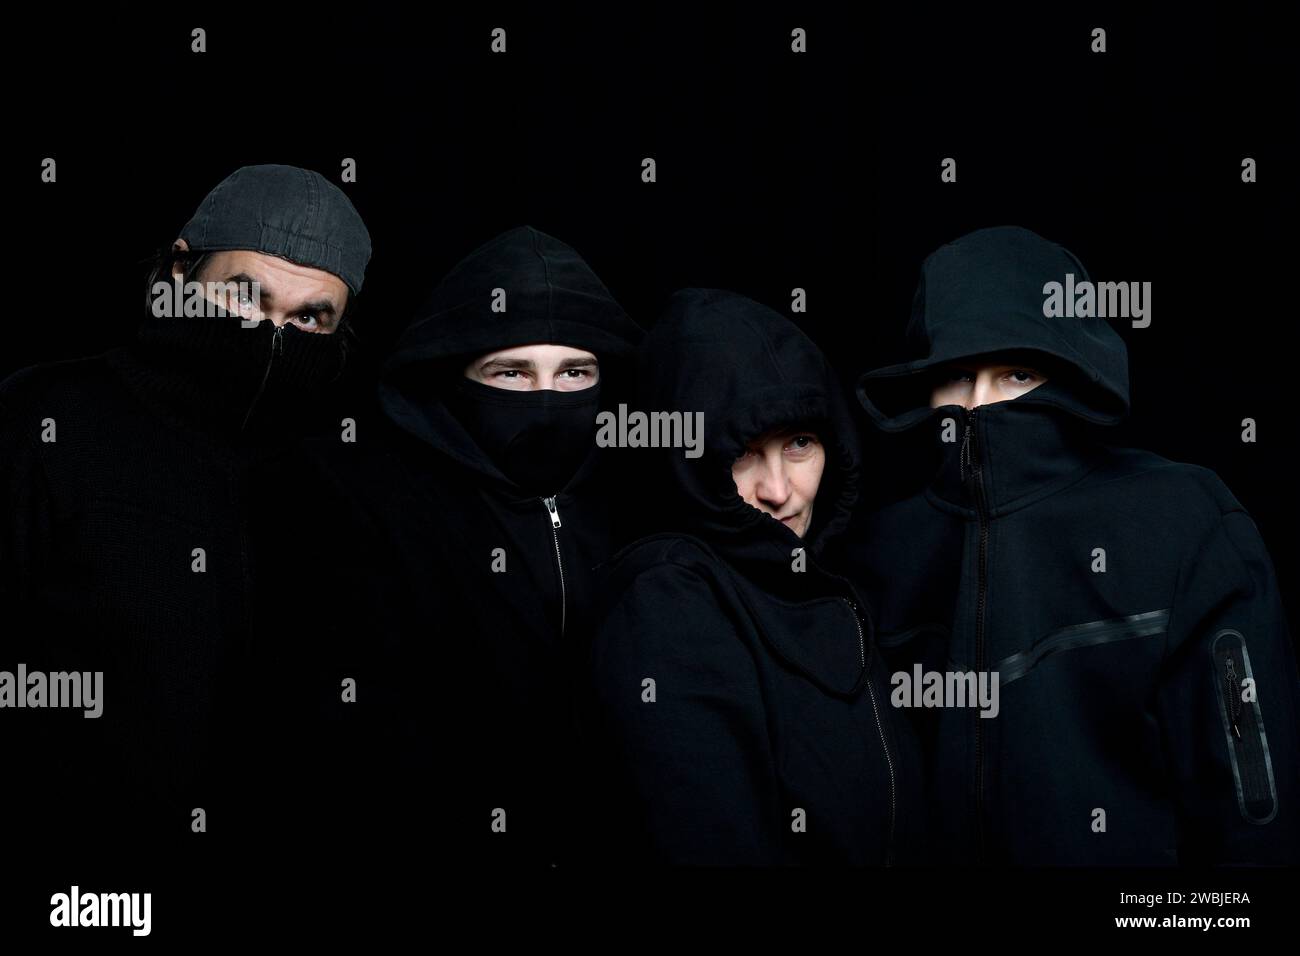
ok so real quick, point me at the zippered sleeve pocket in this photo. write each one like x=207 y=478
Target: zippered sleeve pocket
x=1243 y=725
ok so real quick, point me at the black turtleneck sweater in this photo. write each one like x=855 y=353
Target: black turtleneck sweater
x=127 y=547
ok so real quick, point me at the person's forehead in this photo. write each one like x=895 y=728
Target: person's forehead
x=273 y=272
x=539 y=353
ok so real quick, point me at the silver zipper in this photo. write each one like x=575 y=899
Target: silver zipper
x=277 y=348
x=554 y=512
x=862 y=644
x=1233 y=696
x=880 y=728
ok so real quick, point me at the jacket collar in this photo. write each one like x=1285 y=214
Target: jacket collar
x=1002 y=457
x=212 y=376
x=812 y=619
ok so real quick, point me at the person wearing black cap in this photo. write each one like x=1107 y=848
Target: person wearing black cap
x=740 y=713
x=1126 y=604
x=129 y=482
x=477 y=514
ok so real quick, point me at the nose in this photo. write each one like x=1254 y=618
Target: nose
x=773 y=487
x=982 y=393
x=275 y=317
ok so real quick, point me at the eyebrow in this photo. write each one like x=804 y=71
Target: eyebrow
x=527 y=364
x=323 y=306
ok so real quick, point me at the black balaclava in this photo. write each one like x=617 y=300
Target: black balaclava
x=521 y=288
x=538 y=438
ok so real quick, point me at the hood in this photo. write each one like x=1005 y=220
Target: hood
x=551 y=295
x=748 y=369
x=983 y=293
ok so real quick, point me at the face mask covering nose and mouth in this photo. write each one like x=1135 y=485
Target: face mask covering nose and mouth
x=538 y=439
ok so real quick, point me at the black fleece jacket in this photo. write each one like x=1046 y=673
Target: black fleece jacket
x=1121 y=598
x=740 y=708
x=466 y=593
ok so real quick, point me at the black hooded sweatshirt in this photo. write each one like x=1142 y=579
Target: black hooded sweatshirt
x=769 y=738
x=130 y=482
x=470 y=587
x=1121 y=598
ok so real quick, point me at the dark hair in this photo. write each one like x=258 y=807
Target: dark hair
x=163 y=261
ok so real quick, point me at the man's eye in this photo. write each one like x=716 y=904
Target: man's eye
x=577 y=372
x=958 y=376
x=802 y=444
x=1023 y=377
x=308 y=321
x=242 y=302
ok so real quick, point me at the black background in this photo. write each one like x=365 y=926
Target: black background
x=775 y=171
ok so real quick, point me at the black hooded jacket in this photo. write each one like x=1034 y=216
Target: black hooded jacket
x=130 y=483
x=1121 y=598
x=765 y=737
x=471 y=590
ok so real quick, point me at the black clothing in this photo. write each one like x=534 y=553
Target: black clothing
x=1121 y=598
x=116 y=471
x=470 y=589
x=537 y=438
x=769 y=739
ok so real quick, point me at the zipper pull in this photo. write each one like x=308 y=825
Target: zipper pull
x=965 y=452
x=862 y=643
x=1234 y=694
x=277 y=348
x=968 y=452
x=552 y=510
